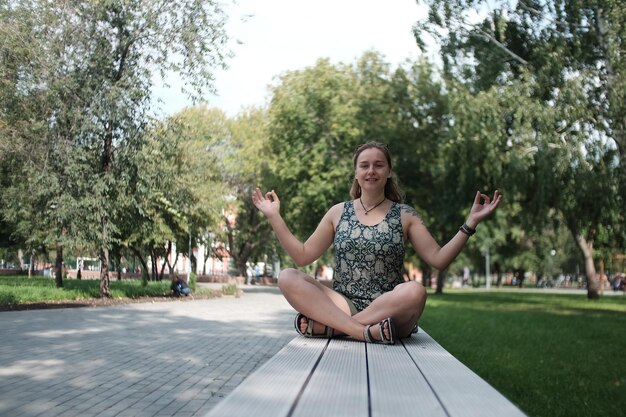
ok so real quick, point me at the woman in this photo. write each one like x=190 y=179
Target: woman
x=370 y=300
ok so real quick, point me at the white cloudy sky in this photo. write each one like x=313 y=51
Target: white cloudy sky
x=281 y=35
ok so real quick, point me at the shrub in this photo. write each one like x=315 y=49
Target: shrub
x=230 y=289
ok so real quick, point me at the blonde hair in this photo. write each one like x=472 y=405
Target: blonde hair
x=392 y=192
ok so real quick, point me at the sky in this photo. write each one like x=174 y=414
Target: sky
x=271 y=37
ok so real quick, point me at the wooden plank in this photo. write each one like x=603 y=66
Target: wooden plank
x=397 y=387
x=272 y=389
x=338 y=386
x=461 y=392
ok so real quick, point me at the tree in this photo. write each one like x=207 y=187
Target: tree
x=203 y=193
x=319 y=115
x=313 y=130
x=177 y=188
x=246 y=166
x=94 y=66
x=567 y=56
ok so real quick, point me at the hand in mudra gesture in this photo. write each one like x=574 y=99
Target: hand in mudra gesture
x=483 y=206
x=268 y=204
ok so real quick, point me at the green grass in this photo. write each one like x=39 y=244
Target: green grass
x=23 y=290
x=553 y=355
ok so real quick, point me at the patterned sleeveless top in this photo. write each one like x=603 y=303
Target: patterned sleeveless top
x=369 y=260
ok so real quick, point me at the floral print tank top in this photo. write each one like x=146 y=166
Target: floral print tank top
x=369 y=260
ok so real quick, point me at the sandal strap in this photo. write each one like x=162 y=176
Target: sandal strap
x=386 y=340
x=366 y=333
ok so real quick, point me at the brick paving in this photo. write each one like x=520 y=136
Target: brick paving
x=137 y=360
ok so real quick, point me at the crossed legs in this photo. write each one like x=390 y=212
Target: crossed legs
x=404 y=304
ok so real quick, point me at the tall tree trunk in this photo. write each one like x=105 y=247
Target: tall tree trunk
x=118 y=264
x=521 y=276
x=427 y=275
x=142 y=261
x=586 y=247
x=105 y=291
x=241 y=256
x=58 y=265
x=155 y=267
x=207 y=251
x=172 y=266
x=20 y=258
x=498 y=275
x=441 y=280
x=168 y=250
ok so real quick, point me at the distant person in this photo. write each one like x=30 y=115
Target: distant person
x=257 y=273
x=466 y=275
x=249 y=274
x=179 y=287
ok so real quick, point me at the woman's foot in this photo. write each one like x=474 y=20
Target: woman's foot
x=309 y=328
x=383 y=332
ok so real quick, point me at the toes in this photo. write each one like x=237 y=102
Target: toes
x=304 y=322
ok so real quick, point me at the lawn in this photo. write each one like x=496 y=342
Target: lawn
x=20 y=290
x=553 y=355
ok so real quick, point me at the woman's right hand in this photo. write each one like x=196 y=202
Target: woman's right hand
x=268 y=204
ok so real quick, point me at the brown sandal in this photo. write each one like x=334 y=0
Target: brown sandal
x=390 y=340
x=328 y=332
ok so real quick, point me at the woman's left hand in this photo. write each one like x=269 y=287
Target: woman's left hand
x=483 y=207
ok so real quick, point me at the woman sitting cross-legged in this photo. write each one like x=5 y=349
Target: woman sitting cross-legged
x=369 y=299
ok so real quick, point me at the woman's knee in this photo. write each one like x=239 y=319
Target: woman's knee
x=413 y=293
x=289 y=277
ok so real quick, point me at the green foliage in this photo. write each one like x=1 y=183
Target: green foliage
x=312 y=133
x=177 y=188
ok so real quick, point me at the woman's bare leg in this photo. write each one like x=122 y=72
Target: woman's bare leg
x=319 y=303
x=404 y=304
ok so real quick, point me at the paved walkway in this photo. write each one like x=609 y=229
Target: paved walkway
x=162 y=359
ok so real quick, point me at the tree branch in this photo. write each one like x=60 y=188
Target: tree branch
x=493 y=40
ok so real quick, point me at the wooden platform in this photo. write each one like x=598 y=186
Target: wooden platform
x=345 y=378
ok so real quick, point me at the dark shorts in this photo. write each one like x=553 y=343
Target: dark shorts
x=353 y=308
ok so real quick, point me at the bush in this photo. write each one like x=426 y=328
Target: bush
x=230 y=289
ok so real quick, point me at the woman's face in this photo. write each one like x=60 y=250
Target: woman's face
x=372 y=169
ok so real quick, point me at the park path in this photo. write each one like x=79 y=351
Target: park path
x=174 y=358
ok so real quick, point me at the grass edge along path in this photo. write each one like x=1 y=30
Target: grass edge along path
x=553 y=355
x=23 y=293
